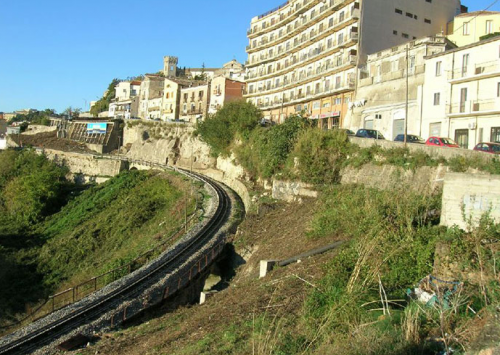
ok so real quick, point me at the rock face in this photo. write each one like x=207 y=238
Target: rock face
x=177 y=145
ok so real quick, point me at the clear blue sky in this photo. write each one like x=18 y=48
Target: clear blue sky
x=57 y=53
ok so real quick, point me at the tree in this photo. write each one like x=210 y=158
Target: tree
x=72 y=113
x=103 y=104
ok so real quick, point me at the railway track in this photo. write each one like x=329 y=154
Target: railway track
x=28 y=341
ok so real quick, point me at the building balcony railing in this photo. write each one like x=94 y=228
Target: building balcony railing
x=296 y=11
x=474 y=107
x=343 y=86
x=305 y=59
x=342 y=63
x=291 y=31
x=471 y=72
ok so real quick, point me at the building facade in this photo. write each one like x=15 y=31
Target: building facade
x=303 y=56
x=388 y=79
x=151 y=96
x=468 y=28
x=125 y=105
x=194 y=102
x=224 y=90
x=462 y=94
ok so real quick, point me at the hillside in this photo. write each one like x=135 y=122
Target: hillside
x=91 y=232
x=330 y=304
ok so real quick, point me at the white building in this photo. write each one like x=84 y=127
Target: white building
x=151 y=96
x=462 y=94
x=380 y=101
x=126 y=102
x=470 y=27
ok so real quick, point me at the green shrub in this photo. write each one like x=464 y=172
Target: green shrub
x=320 y=155
x=235 y=120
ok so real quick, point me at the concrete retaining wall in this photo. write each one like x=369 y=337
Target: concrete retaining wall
x=469 y=196
x=434 y=152
x=85 y=167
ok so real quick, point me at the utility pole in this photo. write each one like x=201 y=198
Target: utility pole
x=407 y=93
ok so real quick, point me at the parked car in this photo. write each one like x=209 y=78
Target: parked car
x=442 y=142
x=347 y=131
x=369 y=133
x=488 y=147
x=410 y=138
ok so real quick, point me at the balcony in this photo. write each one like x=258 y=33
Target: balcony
x=290 y=30
x=474 y=108
x=474 y=72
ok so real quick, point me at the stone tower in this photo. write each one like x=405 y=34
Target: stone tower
x=170 y=66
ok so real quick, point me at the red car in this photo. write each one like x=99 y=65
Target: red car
x=487 y=147
x=442 y=142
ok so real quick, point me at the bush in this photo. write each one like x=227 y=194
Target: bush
x=267 y=150
x=320 y=155
x=235 y=120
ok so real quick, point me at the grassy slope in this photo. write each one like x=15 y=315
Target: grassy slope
x=106 y=226
x=327 y=304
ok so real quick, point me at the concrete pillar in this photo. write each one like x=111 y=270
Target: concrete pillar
x=265 y=266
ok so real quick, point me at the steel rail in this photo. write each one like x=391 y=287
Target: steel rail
x=90 y=312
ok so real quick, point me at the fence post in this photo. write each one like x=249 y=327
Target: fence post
x=53 y=304
x=73 y=295
x=95 y=283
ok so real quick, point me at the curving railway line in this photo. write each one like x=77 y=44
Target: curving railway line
x=26 y=340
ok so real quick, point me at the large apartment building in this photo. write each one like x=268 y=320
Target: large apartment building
x=303 y=56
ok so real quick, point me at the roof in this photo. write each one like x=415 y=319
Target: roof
x=458 y=49
x=135 y=82
x=478 y=13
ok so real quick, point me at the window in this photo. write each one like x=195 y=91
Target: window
x=398 y=11
x=495 y=134
x=462 y=138
x=341 y=16
x=465 y=29
x=394 y=32
x=463 y=99
x=326 y=104
x=498 y=89
x=316 y=105
x=437 y=98
x=465 y=63
x=338 y=101
x=405 y=35
x=410 y=15
x=438 y=68
x=489 y=27
x=427 y=21
x=428 y=1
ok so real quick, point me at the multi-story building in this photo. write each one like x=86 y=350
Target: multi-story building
x=194 y=102
x=391 y=79
x=462 y=94
x=470 y=27
x=303 y=56
x=224 y=90
x=151 y=96
x=172 y=97
x=126 y=101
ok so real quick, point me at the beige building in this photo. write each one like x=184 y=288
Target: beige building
x=224 y=90
x=462 y=94
x=194 y=102
x=470 y=27
x=151 y=96
x=303 y=56
x=380 y=101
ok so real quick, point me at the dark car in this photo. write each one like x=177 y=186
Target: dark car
x=410 y=138
x=347 y=131
x=488 y=147
x=369 y=133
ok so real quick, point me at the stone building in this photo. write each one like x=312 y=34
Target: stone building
x=151 y=96
x=380 y=101
x=305 y=54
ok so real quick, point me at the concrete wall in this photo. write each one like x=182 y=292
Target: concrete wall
x=86 y=167
x=469 y=196
x=434 y=152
